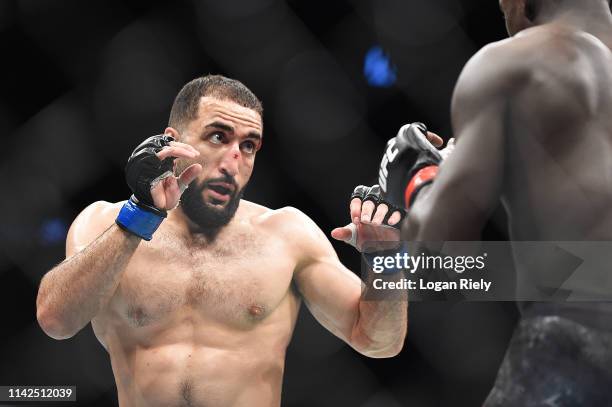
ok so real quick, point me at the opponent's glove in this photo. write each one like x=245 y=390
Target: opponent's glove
x=410 y=162
x=144 y=170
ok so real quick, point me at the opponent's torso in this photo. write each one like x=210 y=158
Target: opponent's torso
x=558 y=183
x=199 y=324
x=558 y=178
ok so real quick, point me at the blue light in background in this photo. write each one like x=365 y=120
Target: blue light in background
x=377 y=68
x=53 y=231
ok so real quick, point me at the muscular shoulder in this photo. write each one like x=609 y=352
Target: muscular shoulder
x=541 y=47
x=298 y=230
x=495 y=70
x=541 y=68
x=550 y=44
x=290 y=222
x=90 y=223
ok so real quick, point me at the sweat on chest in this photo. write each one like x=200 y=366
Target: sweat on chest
x=240 y=283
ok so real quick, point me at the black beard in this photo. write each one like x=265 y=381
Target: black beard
x=209 y=218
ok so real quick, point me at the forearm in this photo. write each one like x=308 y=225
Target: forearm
x=436 y=218
x=73 y=292
x=382 y=321
x=412 y=227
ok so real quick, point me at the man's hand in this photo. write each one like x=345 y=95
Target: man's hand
x=150 y=175
x=167 y=191
x=149 y=171
x=373 y=220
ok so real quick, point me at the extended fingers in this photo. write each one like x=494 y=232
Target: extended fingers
x=367 y=209
x=172 y=192
x=379 y=214
x=394 y=218
x=184 y=145
x=367 y=206
x=189 y=174
x=158 y=194
x=355 y=209
x=178 y=150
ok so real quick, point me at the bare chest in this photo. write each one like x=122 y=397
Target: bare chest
x=238 y=280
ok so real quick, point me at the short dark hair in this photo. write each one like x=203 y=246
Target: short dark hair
x=186 y=103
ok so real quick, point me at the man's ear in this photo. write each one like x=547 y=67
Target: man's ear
x=529 y=9
x=173 y=132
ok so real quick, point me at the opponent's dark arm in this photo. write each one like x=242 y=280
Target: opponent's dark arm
x=468 y=184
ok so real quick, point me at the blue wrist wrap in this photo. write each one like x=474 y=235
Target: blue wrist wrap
x=139 y=220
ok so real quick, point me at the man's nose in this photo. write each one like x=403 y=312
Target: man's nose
x=230 y=160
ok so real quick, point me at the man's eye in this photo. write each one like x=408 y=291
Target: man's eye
x=216 y=138
x=248 y=147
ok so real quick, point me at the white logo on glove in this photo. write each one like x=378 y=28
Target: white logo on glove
x=389 y=156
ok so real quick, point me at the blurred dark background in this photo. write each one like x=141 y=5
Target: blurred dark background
x=84 y=81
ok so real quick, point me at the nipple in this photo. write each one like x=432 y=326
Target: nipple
x=256 y=311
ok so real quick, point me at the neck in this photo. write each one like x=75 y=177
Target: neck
x=592 y=16
x=189 y=229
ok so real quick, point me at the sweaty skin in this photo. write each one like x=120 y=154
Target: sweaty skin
x=190 y=320
x=531 y=116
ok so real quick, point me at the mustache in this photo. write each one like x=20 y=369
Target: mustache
x=228 y=179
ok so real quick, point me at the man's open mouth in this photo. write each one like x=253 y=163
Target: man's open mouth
x=220 y=191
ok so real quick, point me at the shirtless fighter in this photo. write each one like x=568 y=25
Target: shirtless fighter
x=532 y=118
x=200 y=311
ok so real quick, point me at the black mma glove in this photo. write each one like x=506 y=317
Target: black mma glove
x=374 y=194
x=139 y=215
x=410 y=162
x=144 y=169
